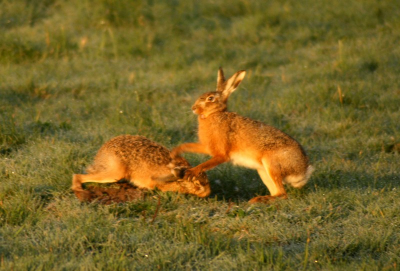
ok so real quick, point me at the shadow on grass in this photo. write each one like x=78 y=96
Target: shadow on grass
x=239 y=184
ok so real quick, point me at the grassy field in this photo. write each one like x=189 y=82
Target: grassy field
x=75 y=73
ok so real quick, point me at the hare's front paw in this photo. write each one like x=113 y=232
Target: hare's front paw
x=192 y=173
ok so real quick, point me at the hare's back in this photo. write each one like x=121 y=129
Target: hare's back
x=134 y=149
x=261 y=135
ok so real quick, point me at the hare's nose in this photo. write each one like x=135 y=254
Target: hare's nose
x=194 y=107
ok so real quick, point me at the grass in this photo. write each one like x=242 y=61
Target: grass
x=73 y=74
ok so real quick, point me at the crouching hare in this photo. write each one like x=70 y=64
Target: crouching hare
x=144 y=163
x=227 y=136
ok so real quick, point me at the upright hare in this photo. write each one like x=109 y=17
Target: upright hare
x=227 y=136
x=144 y=163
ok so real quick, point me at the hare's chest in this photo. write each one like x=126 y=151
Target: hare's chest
x=210 y=132
x=215 y=140
x=206 y=136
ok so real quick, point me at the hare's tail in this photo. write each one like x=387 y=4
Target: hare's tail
x=299 y=181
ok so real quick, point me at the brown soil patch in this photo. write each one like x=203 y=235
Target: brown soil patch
x=107 y=194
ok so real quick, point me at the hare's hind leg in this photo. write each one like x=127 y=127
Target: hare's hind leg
x=107 y=176
x=272 y=178
x=81 y=194
x=77 y=182
x=103 y=177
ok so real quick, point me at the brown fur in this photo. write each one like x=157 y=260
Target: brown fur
x=227 y=136
x=144 y=163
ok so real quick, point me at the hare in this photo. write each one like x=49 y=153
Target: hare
x=144 y=163
x=227 y=136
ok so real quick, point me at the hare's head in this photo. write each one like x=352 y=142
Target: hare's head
x=216 y=101
x=198 y=186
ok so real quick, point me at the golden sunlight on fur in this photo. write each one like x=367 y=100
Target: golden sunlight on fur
x=144 y=163
x=227 y=136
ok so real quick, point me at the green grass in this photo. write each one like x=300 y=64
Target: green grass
x=73 y=74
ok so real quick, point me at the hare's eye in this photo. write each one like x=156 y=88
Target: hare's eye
x=210 y=98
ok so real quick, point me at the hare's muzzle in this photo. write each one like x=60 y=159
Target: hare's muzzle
x=205 y=191
x=198 y=186
x=203 y=186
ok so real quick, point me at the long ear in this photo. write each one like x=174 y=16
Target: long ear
x=220 y=80
x=232 y=84
x=179 y=172
x=166 y=178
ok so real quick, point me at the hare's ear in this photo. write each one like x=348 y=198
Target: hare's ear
x=220 y=80
x=165 y=179
x=232 y=84
x=179 y=172
x=176 y=174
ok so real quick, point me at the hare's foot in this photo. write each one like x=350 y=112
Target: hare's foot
x=266 y=199
x=82 y=195
x=192 y=173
